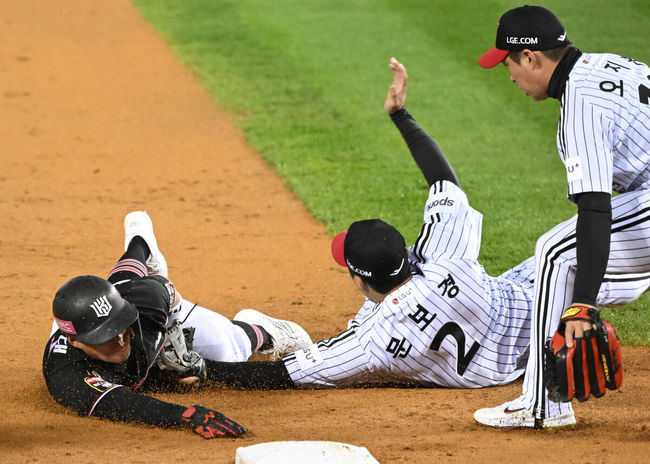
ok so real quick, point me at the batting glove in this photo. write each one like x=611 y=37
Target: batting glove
x=211 y=424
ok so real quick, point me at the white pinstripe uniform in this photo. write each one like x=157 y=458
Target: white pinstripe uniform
x=451 y=325
x=604 y=141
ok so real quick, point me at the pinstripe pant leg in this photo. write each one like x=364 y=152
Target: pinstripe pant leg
x=630 y=243
x=628 y=268
x=622 y=289
x=555 y=264
x=554 y=278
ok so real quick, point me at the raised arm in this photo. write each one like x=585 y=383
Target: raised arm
x=425 y=151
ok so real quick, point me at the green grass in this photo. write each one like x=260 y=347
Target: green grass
x=631 y=321
x=306 y=80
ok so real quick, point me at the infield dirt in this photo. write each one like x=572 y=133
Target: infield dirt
x=98 y=118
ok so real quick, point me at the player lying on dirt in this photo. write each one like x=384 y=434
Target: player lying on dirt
x=432 y=316
x=113 y=338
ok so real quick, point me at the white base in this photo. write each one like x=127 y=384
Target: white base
x=301 y=452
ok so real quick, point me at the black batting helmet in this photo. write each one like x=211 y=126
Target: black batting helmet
x=90 y=309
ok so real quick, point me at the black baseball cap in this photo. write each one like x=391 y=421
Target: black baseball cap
x=531 y=27
x=373 y=250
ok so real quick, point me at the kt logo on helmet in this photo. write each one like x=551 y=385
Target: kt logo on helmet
x=101 y=306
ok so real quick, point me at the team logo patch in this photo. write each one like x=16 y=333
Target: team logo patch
x=65 y=326
x=401 y=296
x=99 y=384
x=573 y=169
x=101 y=306
x=309 y=357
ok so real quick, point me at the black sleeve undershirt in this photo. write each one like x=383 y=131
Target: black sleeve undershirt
x=425 y=151
x=122 y=404
x=250 y=375
x=593 y=234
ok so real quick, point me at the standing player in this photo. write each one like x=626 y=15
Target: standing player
x=603 y=140
x=114 y=338
x=432 y=316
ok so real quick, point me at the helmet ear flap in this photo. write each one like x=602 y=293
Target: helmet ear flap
x=90 y=309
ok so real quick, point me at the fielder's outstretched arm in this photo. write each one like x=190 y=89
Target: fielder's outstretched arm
x=425 y=151
x=250 y=375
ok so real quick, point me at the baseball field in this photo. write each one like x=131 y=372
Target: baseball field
x=251 y=132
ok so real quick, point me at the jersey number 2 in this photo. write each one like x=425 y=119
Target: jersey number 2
x=453 y=329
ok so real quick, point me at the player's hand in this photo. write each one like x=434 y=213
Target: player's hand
x=591 y=365
x=187 y=381
x=187 y=384
x=211 y=424
x=397 y=91
x=575 y=322
x=575 y=329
